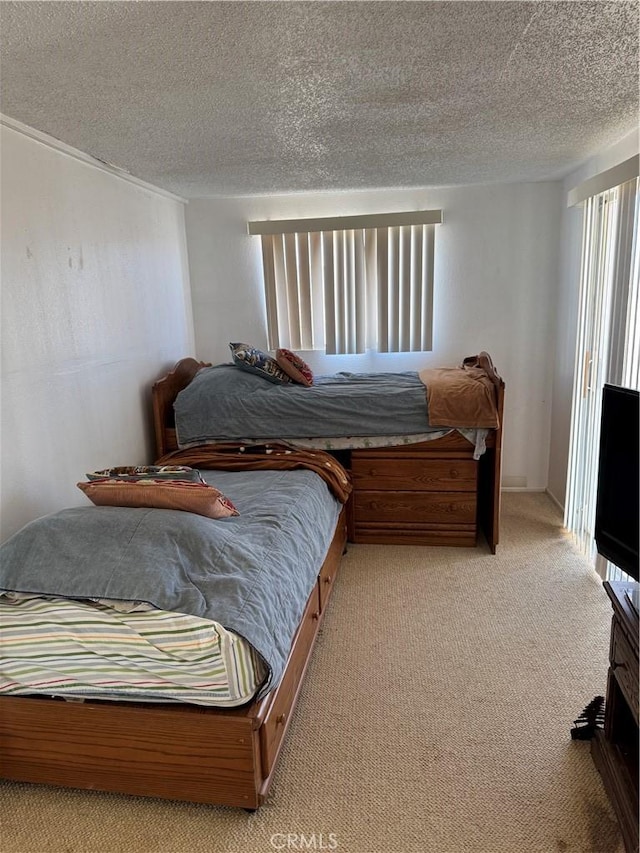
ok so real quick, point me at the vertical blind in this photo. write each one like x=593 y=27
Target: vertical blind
x=608 y=342
x=403 y=280
x=346 y=289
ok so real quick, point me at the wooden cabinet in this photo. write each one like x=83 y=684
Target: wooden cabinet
x=615 y=749
x=422 y=494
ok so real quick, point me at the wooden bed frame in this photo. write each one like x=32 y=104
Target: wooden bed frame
x=220 y=756
x=429 y=493
x=177 y=752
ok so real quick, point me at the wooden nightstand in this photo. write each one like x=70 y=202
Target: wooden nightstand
x=615 y=749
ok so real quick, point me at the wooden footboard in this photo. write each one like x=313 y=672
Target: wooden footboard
x=177 y=752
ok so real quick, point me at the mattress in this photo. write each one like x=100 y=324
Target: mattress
x=224 y=403
x=108 y=650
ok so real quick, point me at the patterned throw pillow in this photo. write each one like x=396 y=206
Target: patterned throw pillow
x=294 y=367
x=255 y=361
x=198 y=498
x=145 y=472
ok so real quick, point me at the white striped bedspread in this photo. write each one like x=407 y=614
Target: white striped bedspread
x=124 y=651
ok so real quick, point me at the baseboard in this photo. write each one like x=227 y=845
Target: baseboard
x=555 y=500
x=543 y=491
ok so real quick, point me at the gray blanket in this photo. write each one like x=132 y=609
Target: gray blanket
x=225 y=403
x=253 y=574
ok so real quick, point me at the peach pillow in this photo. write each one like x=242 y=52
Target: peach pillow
x=199 y=498
x=294 y=367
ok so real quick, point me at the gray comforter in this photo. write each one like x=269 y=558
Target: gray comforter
x=225 y=403
x=252 y=573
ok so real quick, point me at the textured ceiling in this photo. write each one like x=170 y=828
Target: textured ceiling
x=212 y=98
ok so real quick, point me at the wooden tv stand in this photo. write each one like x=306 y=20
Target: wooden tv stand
x=615 y=748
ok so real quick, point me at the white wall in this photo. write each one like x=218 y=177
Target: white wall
x=567 y=310
x=95 y=304
x=496 y=283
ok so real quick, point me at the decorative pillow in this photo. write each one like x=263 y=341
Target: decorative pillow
x=255 y=361
x=294 y=366
x=146 y=472
x=199 y=498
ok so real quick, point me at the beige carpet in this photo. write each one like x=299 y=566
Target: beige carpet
x=435 y=718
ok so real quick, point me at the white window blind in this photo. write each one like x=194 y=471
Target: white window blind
x=350 y=283
x=608 y=344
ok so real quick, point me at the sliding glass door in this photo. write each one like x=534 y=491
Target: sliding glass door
x=608 y=343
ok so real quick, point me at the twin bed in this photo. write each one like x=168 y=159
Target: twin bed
x=423 y=449
x=252 y=587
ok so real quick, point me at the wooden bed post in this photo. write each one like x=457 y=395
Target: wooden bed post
x=489 y=487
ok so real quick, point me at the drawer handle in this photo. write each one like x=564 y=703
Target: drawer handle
x=618 y=665
x=328 y=579
x=315 y=616
x=281 y=719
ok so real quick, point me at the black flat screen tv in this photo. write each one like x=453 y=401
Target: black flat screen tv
x=617 y=503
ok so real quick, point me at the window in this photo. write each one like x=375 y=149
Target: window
x=348 y=284
x=608 y=345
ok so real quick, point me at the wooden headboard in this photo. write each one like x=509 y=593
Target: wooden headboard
x=490 y=482
x=163 y=393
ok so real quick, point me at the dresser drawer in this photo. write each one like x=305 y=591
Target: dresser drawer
x=624 y=664
x=458 y=535
x=430 y=475
x=412 y=508
x=325 y=586
x=277 y=718
x=329 y=569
